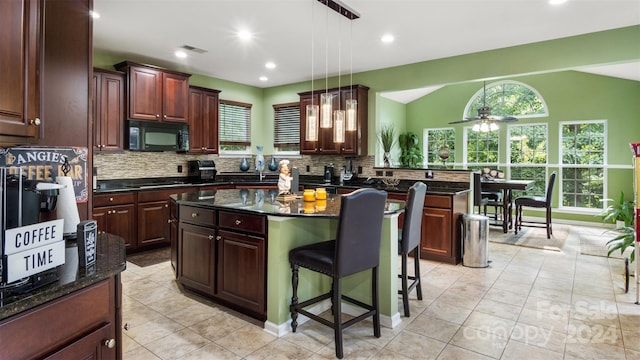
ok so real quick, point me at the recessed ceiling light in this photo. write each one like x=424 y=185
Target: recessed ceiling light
x=557 y=2
x=263 y=78
x=180 y=54
x=244 y=35
x=270 y=65
x=387 y=38
x=94 y=14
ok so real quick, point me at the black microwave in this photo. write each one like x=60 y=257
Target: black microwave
x=157 y=136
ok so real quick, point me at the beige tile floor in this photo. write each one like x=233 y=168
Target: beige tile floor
x=530 y=304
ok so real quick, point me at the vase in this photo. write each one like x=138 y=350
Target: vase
x=387 y=159
x=259 y=159
x=273 y=164
x=244 y=164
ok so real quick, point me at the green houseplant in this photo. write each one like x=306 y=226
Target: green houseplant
x=620 y=212
x=387 y=138
x=411 y=155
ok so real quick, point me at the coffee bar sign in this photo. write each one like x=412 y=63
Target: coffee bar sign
x=46 y=163
x=32 y=249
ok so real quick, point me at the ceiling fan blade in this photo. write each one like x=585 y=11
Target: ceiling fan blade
x=465 y=120
x=503 y=118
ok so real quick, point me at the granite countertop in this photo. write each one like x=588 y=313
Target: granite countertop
x=110 y=261
x=265 y=202
x=124 y=185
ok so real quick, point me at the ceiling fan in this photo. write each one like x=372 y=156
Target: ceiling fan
x=485 y=121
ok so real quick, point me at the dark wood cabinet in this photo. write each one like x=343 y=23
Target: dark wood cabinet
x=116 y=214
x=196 y=257
x=203 y=120
x=441 y=227
x=355 y=141
x=173 y=235
x=20 y=56
x=108 y=110
x=155 y=94
x=241 y=271
x=153 y=223
x=84 y=324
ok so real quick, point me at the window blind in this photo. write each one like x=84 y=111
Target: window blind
x=234 y=123
x=286 y=125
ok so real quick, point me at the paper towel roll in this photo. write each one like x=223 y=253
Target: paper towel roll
x=67 y=208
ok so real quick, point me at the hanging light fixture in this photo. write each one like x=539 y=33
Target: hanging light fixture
x=345 y=118
x=351 y=105
x=339 y=114
x=311 y=131
x=485 y=122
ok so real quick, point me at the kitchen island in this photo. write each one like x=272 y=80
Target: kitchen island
x=233 y=246
x=76 y=316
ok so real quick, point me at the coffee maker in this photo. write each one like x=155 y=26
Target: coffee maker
x=200 y=171
x=328 y=173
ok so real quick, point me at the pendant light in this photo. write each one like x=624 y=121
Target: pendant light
x=326 y=99
x=351 y=104
x=338 y=114
x=311 y=133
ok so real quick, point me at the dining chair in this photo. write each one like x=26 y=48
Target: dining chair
x=409 y=242
x=478 y=200
x=536 y=202
x=355 y=249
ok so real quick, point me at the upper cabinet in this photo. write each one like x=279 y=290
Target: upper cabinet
x=155 y=94
x=203 y=120
x=20 y=56
x=355 y=141
x=108 y=110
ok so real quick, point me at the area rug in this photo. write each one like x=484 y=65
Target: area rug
x=532 y=237
x=151 y=257
x=593 y=242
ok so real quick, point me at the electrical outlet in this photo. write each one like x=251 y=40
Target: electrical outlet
x=388 y=173
x=308 y=168
x=179 y=168
x=359 y=169
x=378 y=172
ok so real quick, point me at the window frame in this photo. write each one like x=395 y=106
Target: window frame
x=247 y=144
x=544 y=166
x=480 y=94
x=425 y=146
x=276 y=147
x=465 y=149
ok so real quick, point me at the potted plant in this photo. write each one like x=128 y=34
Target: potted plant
x=387 y=138
x=620 y=212
x=410 y=156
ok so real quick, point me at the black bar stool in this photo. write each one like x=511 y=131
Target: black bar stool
x=356 y=248
x=410 y=242
x=536 y=202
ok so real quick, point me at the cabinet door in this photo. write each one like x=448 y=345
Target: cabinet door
x=196 y=121
x=111 y=111
x=95 y=345
x=117 y=220
x=210 y=123
x=351 y=138
x=306 y=147
x=436 y=233
x=241 y=271
x=196 y=254
x=145 y=93
x=153 y=223
x=175 y=98
x=173 y=235
x=326 y=145
x=20 y=49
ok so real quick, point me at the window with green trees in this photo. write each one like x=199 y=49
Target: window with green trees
x=583 y=158
x=440 y=142
x=482 y=148
x=508 y=98
x=527 y=155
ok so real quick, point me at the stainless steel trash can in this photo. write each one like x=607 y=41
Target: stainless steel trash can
x=475 y=234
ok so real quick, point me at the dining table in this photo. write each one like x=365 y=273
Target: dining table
x=506 y=187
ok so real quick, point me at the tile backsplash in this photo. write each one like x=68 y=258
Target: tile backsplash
x=135 y=165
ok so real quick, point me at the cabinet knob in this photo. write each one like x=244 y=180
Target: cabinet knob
x=166 y=205
x=157 y=116
x=110 y=199
x=218 y=237
x=194 y=215
x=35 y=122
x=110 y=343
x=165 y=116
x=210 y=237
x=238 y=222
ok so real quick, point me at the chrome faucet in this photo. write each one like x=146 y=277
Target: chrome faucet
x=262 y=176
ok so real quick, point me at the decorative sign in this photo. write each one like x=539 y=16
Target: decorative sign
x=87 y=237
x=33 y=249
x=45 y=164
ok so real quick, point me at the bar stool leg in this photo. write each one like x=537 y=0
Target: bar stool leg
x=337 y=311
x=294 y=297
x=416 y=259
x=405 y=286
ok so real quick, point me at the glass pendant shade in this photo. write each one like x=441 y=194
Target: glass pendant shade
x=312 y=123
x=493 y=126
x=325 y=110
x=352 y=108
x=476 y=127
x=338 y=126
x=484 y=127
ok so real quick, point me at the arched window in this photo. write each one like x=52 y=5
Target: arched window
x=508 y=97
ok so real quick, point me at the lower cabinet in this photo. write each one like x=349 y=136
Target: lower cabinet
x=84 y=324
x=197 y=255
x=441 y=228
x=116 y=214
x=153 y=223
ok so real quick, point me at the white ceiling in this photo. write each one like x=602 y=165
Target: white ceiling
x=285 y=29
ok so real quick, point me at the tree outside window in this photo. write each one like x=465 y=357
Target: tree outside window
x=527 y=154
x=482 y=148
x=435 y=140
x=583 y=159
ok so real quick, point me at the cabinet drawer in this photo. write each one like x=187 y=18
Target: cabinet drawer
x=438 y=201
x=113 y=199
x=158 y=195
x=196 y=215
x=242 y=222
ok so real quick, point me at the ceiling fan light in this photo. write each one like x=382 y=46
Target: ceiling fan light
x=484 y=127
x=493 y=126
x=476 y=127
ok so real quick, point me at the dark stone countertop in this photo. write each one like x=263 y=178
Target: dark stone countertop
x=265 y=202
x=109 y=262
x=124 y=185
